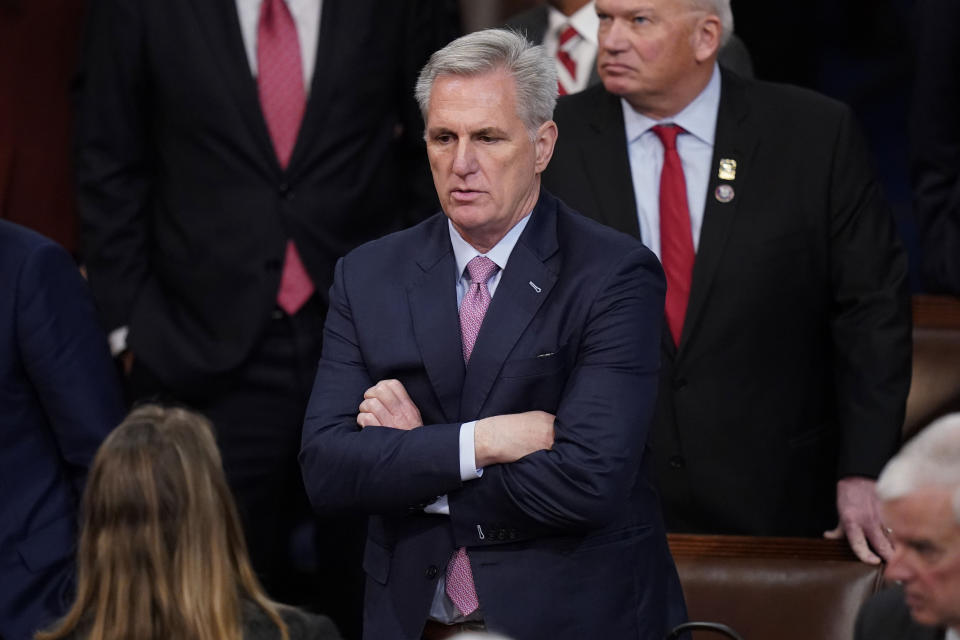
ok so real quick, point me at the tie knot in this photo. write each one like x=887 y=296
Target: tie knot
x=668 y=134
x=480 y=269
x=567 y=34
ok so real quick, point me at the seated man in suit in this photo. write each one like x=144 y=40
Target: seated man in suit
x=920 y=504
x=787 y=360
x=59 y=398
x=503 y=358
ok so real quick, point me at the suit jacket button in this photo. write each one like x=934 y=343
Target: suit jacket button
x=677 y=462
x=431 y=572
x=679 y=384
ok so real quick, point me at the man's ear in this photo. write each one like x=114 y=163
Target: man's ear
x=546 y=139
x=706 y=37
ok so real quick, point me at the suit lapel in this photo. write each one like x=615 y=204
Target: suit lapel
x=329 y=51
x=436 y=322
x=736 y=140
x=524 y=285
x=607 y=163
x=219 y=21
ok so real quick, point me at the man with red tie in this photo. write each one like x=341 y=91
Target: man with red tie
x=786 y=362
x=487 y=383
x=229 y=151
x=568 y=29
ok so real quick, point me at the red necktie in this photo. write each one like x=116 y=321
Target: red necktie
x=283 y=101
x=676 y=239
x=460 y=588
x=565 y=43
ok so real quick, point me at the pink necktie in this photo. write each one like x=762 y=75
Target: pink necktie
x=473 y=307
x=283 y=101
x=676 y=239
x=563 y=55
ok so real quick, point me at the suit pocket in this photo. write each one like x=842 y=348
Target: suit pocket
x=376 y=561
x=543 y=364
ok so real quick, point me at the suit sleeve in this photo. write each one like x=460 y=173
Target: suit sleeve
x=601 y=425
x=66 y=357
x=935 y=143
x=870 y=317
x=375 y=469
x=112 y=150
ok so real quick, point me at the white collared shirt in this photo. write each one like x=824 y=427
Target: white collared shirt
x=583 y=51
x=695 y=147
x=306 y=17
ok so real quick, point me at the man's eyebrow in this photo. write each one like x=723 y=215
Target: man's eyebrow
x=489 y=131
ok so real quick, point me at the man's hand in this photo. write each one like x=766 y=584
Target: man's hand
x=506 y=438
x=386 y=404
x=858 y=507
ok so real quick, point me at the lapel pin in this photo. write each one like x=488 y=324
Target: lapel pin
x=728 y=169
x=535 y=287
x=724 y=193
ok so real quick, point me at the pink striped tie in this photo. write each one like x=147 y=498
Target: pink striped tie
x=564 y=45
x=473 y=307
x=283 y=101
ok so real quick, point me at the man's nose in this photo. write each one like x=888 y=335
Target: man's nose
x=465 y=158
x=898 y=568
x=613 y=38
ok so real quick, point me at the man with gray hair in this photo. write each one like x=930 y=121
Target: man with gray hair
x=786 y=362
x=919 y=491
x=487 y=383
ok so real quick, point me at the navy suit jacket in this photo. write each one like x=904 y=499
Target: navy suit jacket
x=59 y=398
x=566 y=543
x=885 y=616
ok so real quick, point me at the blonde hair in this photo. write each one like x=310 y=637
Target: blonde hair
x=161 y=552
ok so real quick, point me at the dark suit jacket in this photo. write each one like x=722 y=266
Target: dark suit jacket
x=566 y=543
x=59 y=398
x=885 y=616
x=186 y=209
x=534 y=22
x=935 y=143
x=794 y=362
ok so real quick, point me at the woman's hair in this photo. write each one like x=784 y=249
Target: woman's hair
x=161 y=552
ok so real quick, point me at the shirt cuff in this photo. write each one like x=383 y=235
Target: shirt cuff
x=468 y=453
x=468 y=468
x=118 y=340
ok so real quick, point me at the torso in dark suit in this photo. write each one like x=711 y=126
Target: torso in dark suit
x=565 y=543
x=186 y=208
x=794 y=362
x=935 y=143
x=533 y=23
x=885 y=616
x=59 y=398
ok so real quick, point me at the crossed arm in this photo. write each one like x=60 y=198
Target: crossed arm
x=497 y=440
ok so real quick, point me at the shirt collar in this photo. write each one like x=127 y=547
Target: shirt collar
x=698 y=118
x=584 y=20
x=500 y=253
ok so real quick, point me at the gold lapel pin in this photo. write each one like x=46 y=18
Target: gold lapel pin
x=728 y=169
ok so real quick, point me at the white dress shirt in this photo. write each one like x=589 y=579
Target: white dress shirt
x=583 y=50
x=695 y=147
x=306 y=17
x=442 y=608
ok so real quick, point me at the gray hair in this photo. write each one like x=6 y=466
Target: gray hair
x=930 y=459
x=722 y=10
x=489 y=50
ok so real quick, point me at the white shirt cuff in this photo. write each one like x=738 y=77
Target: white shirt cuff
x=468 y=468
x=118 y=340
x=468 y=453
